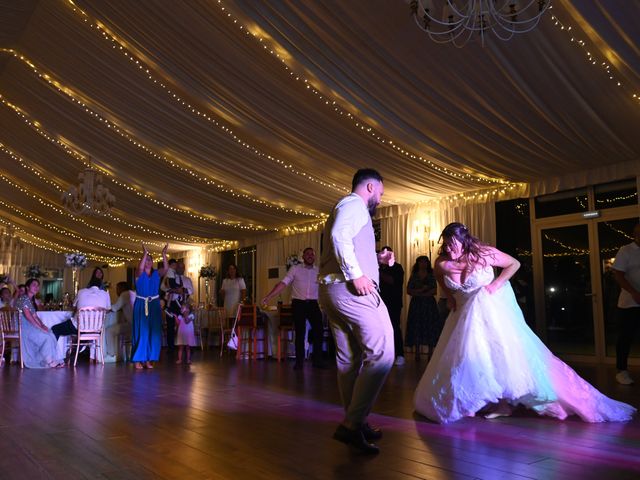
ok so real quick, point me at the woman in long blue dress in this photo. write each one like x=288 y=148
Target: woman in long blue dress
x=146 y=335
x=39 y=345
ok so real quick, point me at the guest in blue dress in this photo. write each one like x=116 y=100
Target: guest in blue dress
x=39 y=345
x=146 y=336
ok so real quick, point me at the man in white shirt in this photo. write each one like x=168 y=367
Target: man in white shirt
x=185 y=282
x=92 y=296
x=626 y=270
x=303 y=279
x=357 y=315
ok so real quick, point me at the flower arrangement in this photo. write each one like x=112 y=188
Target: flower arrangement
x=208 y=271
x=292 y=260
x=75 y=260
x=33 y=271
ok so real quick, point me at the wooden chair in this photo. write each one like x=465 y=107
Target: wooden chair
x=286 y=329
x=212 y=323
x=90 y=322
x=197 y=327
x=10 y=330
x=226 y=328
x=247 y=331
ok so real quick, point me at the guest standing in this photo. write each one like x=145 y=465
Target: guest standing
x=97 y=278
x=391 y=291
x=233 y=291
x=424 y=323
x=357 y=315
x=147 y=317
x=303 y=279
x=39 y=345
x=626 y=270
x=186 y=338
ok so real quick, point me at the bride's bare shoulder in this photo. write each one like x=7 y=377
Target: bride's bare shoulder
x=441 y=264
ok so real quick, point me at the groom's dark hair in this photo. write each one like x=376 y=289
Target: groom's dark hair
x=365 y=174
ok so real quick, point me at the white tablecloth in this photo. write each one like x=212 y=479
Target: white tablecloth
x=54 y=317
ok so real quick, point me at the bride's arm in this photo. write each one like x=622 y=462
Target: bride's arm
x=439 y=273
x=509 y=266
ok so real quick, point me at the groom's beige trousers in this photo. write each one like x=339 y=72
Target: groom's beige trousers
x=363 y=335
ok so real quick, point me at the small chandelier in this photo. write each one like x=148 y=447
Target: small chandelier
x=90 y=197
x=455 y=21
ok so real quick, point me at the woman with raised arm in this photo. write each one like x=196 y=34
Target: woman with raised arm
x=147 y=317
x=487 y=357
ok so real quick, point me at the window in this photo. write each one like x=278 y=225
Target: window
x=617 y=194
x=562 y=203
x=513 y=234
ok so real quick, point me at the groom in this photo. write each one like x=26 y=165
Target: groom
x=358 y=317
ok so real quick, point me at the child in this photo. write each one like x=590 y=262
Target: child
x=186 y=337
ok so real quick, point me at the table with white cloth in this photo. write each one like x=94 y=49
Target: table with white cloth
x=54 y=317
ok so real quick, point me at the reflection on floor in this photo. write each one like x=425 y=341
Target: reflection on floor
x=262 y=420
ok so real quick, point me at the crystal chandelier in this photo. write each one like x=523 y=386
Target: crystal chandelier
x=456 y=21
x=90 y=197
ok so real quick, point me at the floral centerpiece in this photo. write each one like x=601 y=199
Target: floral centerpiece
x=208 y=271
x=33 y=271
x=292 y=260
x=76 y=260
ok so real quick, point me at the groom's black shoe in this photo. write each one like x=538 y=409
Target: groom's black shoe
x=371 y=433
x=355 y=439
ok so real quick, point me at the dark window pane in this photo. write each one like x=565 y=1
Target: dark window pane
x=562 y=203
x=618 y=194
x=567 y=290
x=513 y=230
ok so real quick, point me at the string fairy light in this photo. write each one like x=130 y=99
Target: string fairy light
x=483 y=194
x=172 y=162
x=75 y=218
x=360 y=125
x=37 y=127
x=58 y=248
x=59 y=188
x=62 y=231
x=121 y=46
x=606 y=66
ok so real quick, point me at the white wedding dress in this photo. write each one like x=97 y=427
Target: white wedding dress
x=487 y=352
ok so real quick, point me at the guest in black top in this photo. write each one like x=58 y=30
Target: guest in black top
x=391 y=292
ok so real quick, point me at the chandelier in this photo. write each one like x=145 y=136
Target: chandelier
x=90 y=197
x=456 y=21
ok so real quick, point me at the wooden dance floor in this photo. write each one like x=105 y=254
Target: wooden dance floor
x=223 y=419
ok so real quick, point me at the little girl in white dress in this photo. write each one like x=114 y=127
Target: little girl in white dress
x=185 y=338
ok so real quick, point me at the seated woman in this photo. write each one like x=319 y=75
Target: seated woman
x=39 y=345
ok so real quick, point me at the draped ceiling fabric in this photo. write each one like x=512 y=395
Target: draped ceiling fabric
x=209 y=133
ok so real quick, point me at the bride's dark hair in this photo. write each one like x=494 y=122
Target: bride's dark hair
x=472 y=248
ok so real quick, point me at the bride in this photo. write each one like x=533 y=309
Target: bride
x=487 y=357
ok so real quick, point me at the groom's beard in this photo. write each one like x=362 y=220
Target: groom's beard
x=371 y=206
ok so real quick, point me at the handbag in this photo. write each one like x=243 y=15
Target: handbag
x=232 y=344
